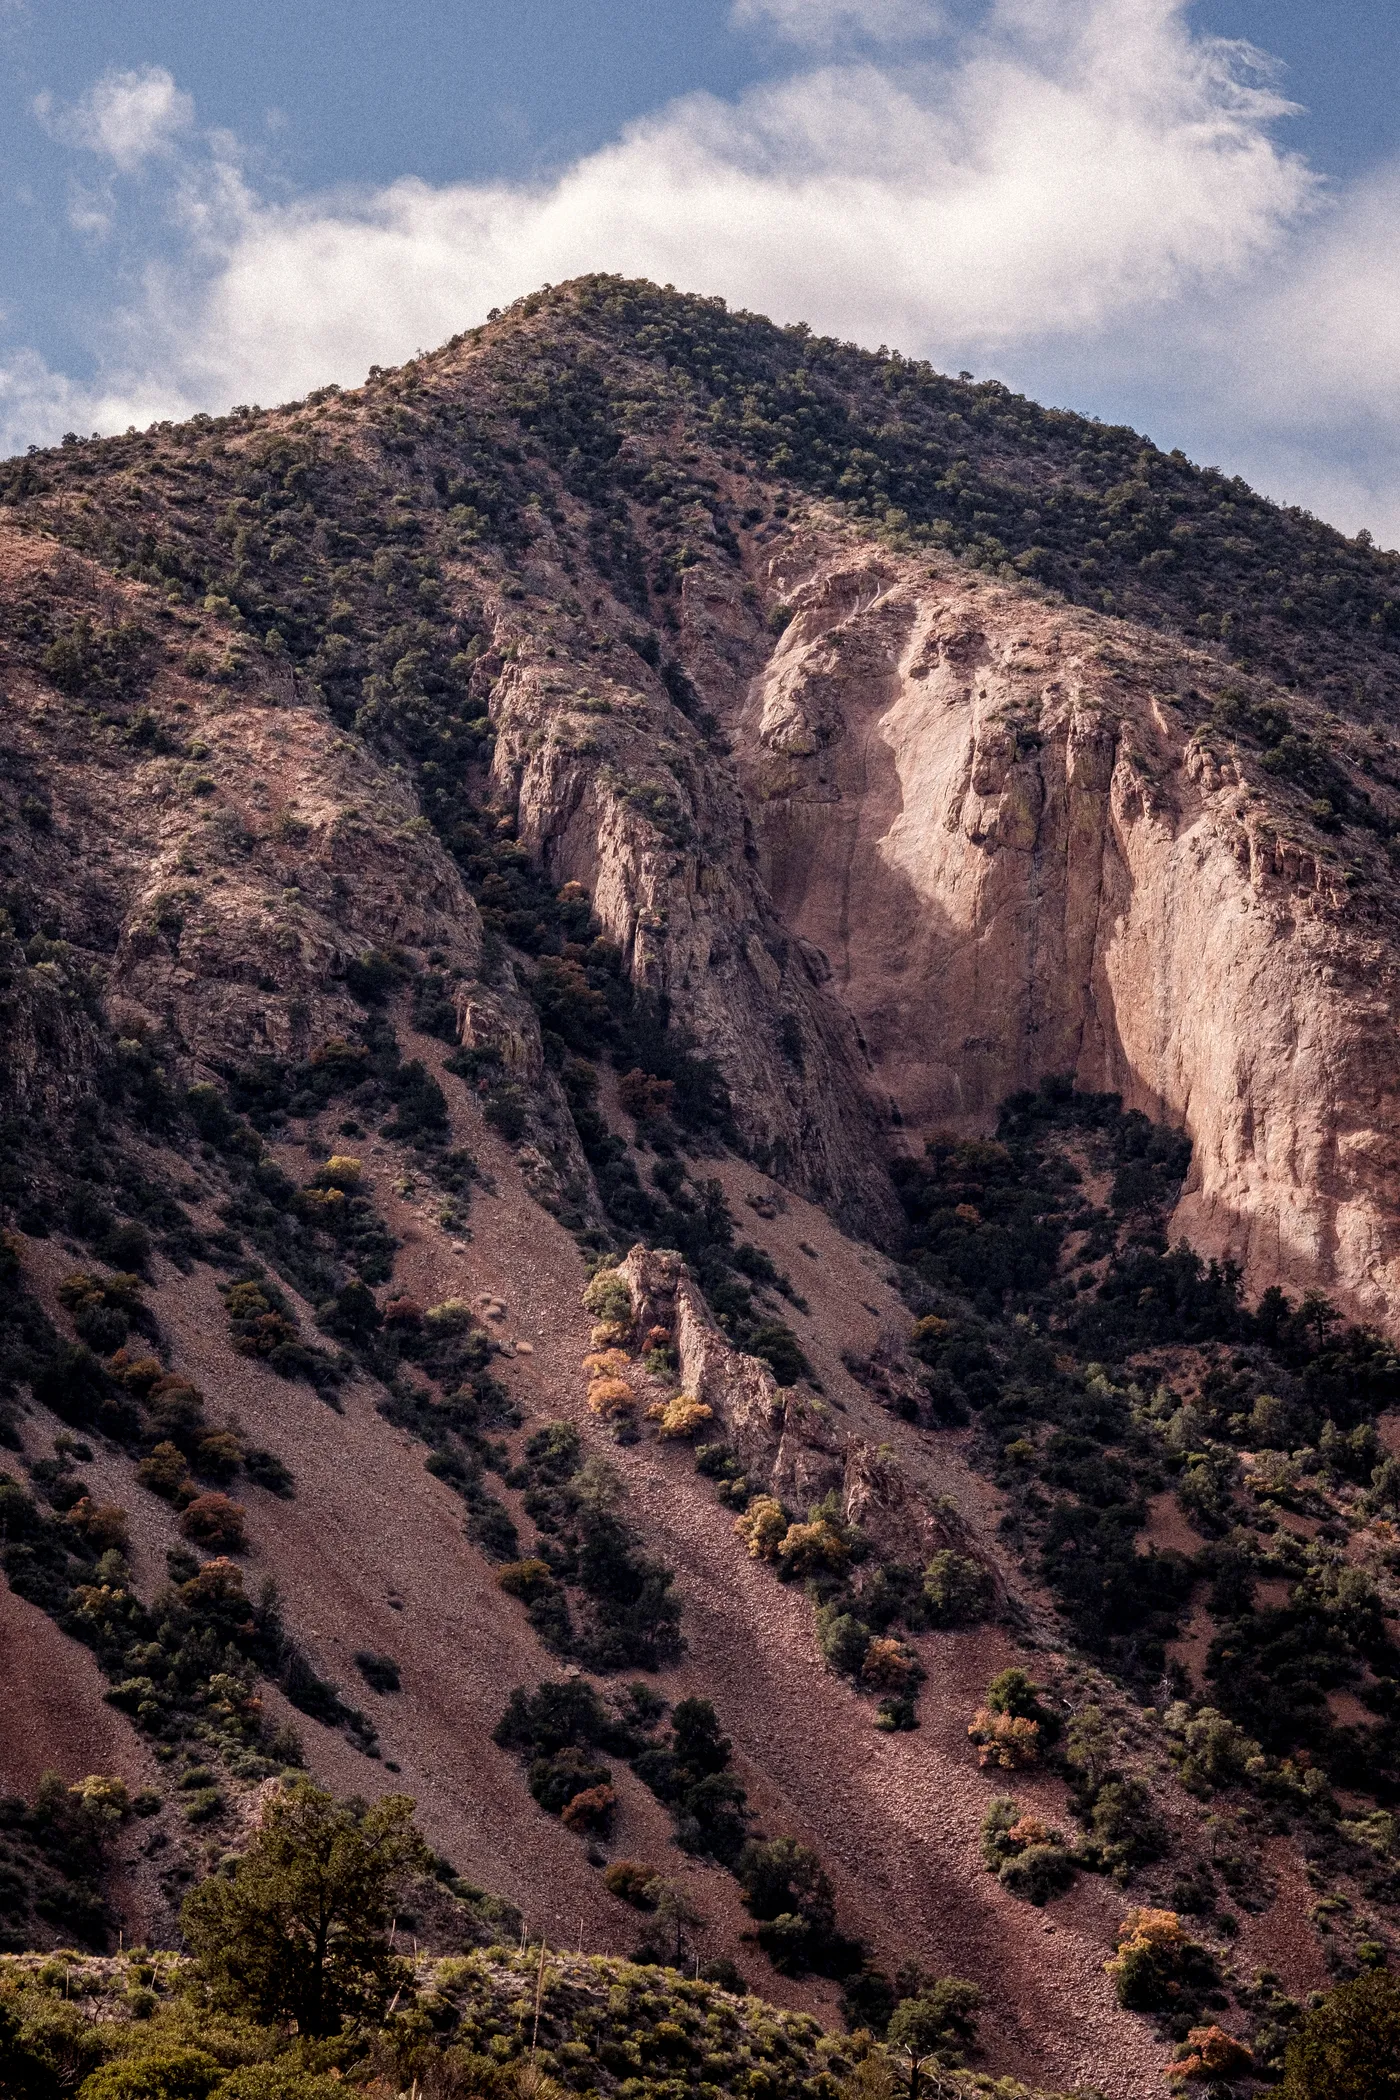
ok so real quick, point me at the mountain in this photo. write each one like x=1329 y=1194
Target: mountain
x=680 y=1000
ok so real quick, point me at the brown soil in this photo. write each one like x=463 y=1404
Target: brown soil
x=54 y=1718
x=1283 y=1937
x=1193 y=1643
x=55 y=1715
x=1167 y=1527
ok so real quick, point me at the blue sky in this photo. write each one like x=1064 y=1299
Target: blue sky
x=1099 y=200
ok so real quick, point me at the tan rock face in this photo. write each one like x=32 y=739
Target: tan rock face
x=650 y=819
x=991 y=817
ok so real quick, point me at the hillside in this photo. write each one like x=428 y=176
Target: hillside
x=872 y=874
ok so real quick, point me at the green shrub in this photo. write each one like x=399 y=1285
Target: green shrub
x=609 y=1299
x=166 y=2072
x=266 y=1470
x=1213 y=1751
x=284 y=2080
x=380 y=1672
x=780 y=1350
x=1125 y=1831
x=781 y=1878
x=1038 y=1872
x=298 y=1930
x=788 y=1941
x=1013 y=1693
x=996 y=1848
x=529 y=1580
x=844 y=1640
x=1029 y=1859
x=1348 y=2048
x=935 y=2026
x=165 y=1471
x=957 y=1591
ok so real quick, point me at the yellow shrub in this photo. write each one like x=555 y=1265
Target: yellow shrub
x=683 y=1416
x=312 y=1200
x=607 y=1363
x=453 y=1316
x=526 y=1579
x=888 y=1665
x=1149 y=1928
x=611 y=1396
x=105 y=1797
x=809 y=1549
x=340 y=1172
x=606 y=1333
x=608 y=1297
x=763 y=1527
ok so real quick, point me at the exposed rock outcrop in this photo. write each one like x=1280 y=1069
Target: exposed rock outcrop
x=999 y=821
x=787 y=1438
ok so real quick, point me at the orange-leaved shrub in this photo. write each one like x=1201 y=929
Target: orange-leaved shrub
x=1211 y=2053
x=611 y=1396
x=103 y=1524
x=592 y=1810
x=1007 y=1742
x=890 y=1667
x=1158 y=1965
x=634 y=1881
x=403 y=1312
x=137 y=1374
x=213 y=1520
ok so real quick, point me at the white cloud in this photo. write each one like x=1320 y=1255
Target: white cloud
x=1326 y=340
x=825 y=22
x=1045 y=183
x=1084 y=190
x=126 y=118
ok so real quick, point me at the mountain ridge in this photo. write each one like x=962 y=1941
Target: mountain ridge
x=535 y=812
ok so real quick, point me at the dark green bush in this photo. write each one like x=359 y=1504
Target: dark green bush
x=380 y=1672
x=555 y=1780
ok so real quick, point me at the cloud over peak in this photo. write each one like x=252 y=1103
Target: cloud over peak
x=1083 y=190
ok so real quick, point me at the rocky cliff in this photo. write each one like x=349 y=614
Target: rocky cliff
x=1026 y=843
